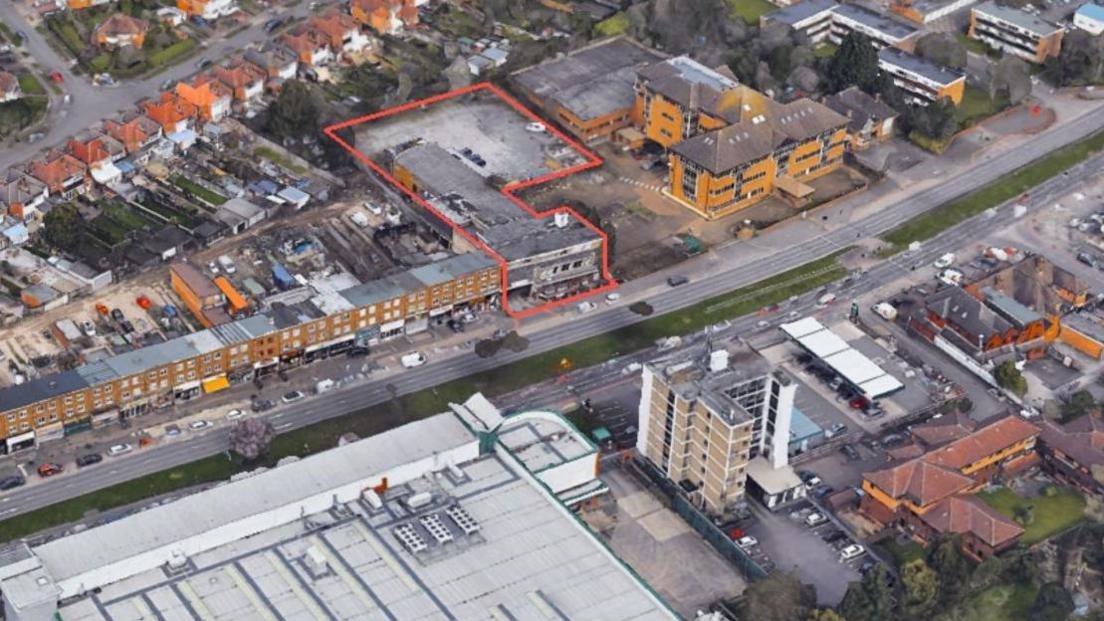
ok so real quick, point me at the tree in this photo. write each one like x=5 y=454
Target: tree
x=64 y=225
x=824 y=614
x=936 y=120
x=870 y=599
x=854 y=64
x=487 y=347
x=1079 y=404
x=294 y=114
x=515 y=342
x=334 y=153
x=1010 y=378
x=251 y=438
x=919 y=587
x=778 y=597
x=952 y=568
x=1081 y=60
x=942 y=48
x=779 y=61
x=1009 y=77
x=1052 y=603
x=641 y=308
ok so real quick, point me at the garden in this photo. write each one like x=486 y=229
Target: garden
x=163 y=46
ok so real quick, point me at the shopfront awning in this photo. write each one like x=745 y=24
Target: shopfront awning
x=215 y=384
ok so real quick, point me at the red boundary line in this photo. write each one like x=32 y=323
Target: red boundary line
x=592 y=161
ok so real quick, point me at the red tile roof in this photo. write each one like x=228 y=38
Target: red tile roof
x=1082 y=440
x=948 y=428
x=122 y=24
x=8 y=83
x=55 y=168
x=919 y=481
x=980 y=444
x=966 y=514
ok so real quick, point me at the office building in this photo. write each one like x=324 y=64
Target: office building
x=432 y=520
x=1015 y=32
x=1090 y=18
x=927 y=11
x=922 y=81
x=298 y=326
x=706 y=412
x=680 y=98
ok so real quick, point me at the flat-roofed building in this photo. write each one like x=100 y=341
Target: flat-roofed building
x=927 y=11
x=882 y=31
x=589 y=91
x=427 y=520
x=1090 y=18
x=813 y=18
x=706 y=412
x=1015 y=32
x=922 y=81
x=547 y=258
x=680 y=97
x=306 y=324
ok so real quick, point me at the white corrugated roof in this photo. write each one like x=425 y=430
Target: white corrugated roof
x=824 y=343
x=882 y=385
x=802 y=327
x=853 y=366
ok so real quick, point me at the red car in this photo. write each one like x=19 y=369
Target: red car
x=56 y=77
x=859 y=403
x=49 y=470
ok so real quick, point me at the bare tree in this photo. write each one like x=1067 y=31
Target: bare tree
x=251 y=438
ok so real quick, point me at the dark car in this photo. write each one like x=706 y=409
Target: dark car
x=263 y=405
x=676 y=281
x=851 y=452
x=12 y=482
x=117 y=315
x=126 y=326
x=273 y=24
x=356 y=352
x=833 y=536
x=89 y=460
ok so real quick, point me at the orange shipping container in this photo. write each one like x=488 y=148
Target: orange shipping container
x=237 y=302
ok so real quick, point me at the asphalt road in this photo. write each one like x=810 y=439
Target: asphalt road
x=89 y=103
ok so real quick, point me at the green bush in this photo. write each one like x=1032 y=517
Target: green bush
x=170 y=54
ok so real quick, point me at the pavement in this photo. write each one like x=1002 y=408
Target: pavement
x=90 y=104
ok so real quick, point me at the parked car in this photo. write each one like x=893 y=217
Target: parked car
x=49 y=469
x=415 y=359
x=945 y=261
x=203 y=63
x=196 y=425
x=172 y=430
x=234 y=414
x=117 y=315
x=11 y=482
x=119 y=449
x=263 y=405
x=815 y=518
x=833 y=536
x=292 y=397
x=747 y=542
x=89 y=460
x=88 y=327
x=812 y=483
x=852 y=551
x=850 y=452
x=612 y=297
x=586 y=307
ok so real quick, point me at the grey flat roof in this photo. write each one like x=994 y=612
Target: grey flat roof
x=591 y=82
x=225 y=504
x=1023 y=19
x=891 y=28
x=21 y=395
x=920 y=66
x=801 y=11
x=484 y=211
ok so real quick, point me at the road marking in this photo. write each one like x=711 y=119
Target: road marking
x=282 y=427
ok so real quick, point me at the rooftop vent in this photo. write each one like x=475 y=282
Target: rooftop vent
x=562 y=219
x=718 y=361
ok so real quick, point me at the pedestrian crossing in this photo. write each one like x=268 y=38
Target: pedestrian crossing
x=654 y=187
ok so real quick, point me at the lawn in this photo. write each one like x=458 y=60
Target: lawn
x=750 y=10
x=278 y=159
x=617 y=24
x=902 y=553
x=825 y=50
x=125 y=215
x=973 y=45
x=198 y=191
x=170 y=54
x=976 y=105
x=1010 y=186
x=66 y=31
x=1053 y=514
x=403 y=409
x=1005 y=602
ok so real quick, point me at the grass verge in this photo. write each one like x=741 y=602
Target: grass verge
x=617 y=24
x=930 y=224
x=30 y=85
x=976 y=105
x=902 y=553
x=1052 y=512
x=402 y=409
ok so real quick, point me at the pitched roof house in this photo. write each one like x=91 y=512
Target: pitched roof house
x=9 y=87
x=311 y=46
x=171 y=112
x=120 y=30
x=62 y=173
x=244 y=78
x=385 y=16
x=209 y=96
x=342 y=31
x=134 y=130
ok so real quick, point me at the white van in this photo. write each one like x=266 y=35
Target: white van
x=825 y=300
x=415 y=359
x=885 y=310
